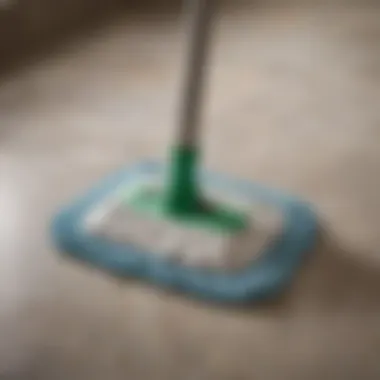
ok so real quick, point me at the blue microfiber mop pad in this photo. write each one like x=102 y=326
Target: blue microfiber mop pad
x=264 y=278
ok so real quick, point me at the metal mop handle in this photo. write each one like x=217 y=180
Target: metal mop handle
x=200 y=12
x=183 y=192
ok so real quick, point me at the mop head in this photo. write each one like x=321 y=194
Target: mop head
x=245 y=245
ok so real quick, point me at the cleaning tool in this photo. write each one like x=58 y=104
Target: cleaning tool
x=199 y=233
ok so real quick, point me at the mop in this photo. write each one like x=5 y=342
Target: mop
x=203 y=234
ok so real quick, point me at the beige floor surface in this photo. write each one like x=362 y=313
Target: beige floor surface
x=293 y=101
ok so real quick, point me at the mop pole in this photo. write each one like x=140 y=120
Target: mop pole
x=183 y=192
